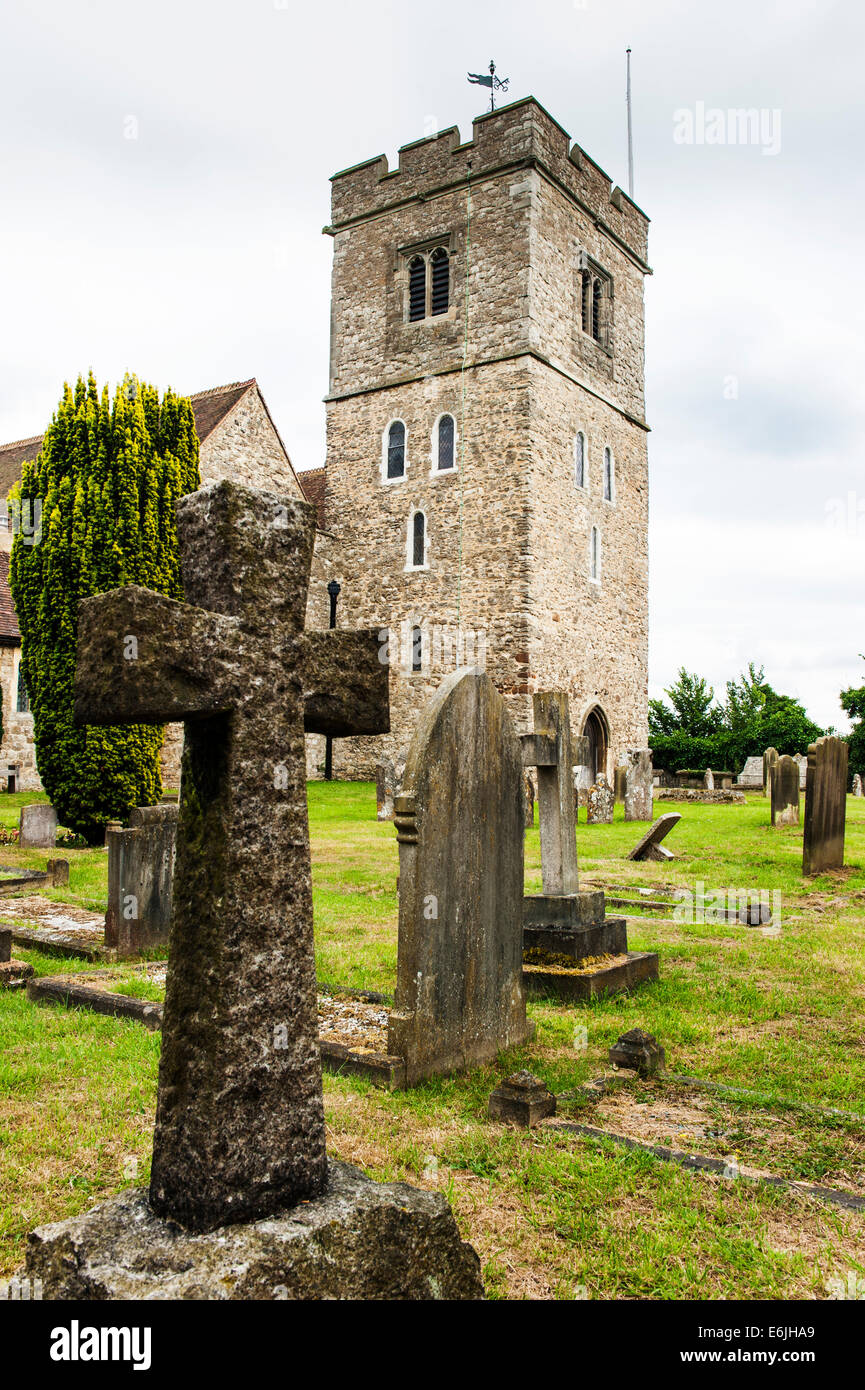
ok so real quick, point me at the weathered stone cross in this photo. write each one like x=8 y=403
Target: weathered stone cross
x=240 y=1121
x=550 y=749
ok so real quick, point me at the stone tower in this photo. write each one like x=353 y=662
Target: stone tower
x=486 y=482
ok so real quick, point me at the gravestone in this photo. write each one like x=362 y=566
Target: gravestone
x=825 y=806
x=650 y=847
x=240 y=1130
x=562 y=926
x=638 y=784
x=802 y=762
x=785 y=791
x=140 y=871
x=857 y=785
x=460 y=821
x=709 y=780
x=385 y=777
x=600 y=803
x=530 y=800
x=751 y=774
x=14 y=974
x=37 y=826
x=770 y=757
x=620 y=782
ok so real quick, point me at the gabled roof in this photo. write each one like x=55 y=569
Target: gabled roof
x=210 y=408
x=313 y=484
x=9 y=633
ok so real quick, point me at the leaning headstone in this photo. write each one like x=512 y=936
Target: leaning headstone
x=638 y=784
x=825 y=806
x=600 y=803
x=650 y=847
x=785 y=791
x=240 y=1132
x=140 y=872
x=857 y=785
x=460 y=822
x=709 y=780
x=770 y=757
x=620 y=782
x=37 y=826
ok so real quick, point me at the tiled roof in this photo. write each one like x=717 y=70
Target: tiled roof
x=313 y=483
x=8 y=621
x=210 y=407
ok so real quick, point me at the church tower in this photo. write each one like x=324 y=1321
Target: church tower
x=487 y=478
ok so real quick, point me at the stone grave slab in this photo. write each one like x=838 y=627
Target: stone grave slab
x=37 y=826
x=140 y=874
x=825 y=806
x=240 y=1173
x=650 y=847
x=460 y=817
x=785 y=791
x=638 y=784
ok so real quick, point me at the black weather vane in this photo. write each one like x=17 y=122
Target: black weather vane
x=495 y=84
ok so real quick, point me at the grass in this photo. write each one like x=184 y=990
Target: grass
x=551 y=1214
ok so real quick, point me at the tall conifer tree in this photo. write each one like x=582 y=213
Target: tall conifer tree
x=102 y=493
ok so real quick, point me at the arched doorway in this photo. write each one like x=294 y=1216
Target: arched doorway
x=595 y=730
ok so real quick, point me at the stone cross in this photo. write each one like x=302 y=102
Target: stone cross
x=239 y=1118
x=460 y=823
x=825 y=806
x=550 y=749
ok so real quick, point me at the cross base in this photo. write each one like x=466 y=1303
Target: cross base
x=358 y=1240
x=572 y=951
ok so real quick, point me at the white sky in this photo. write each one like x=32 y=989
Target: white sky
x=193 y=255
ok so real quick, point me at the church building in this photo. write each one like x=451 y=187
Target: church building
x=485 y=495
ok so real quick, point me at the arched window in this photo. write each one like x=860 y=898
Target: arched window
x=417 y=541
x=395 y=462
x=580 y=459
x=417 y=289
x=586 y=308
x=417 y=646
x=445 y=435
x=596 y=310
x=608 y=475
x=595 y=554
x=440 y=281
x=22 y=703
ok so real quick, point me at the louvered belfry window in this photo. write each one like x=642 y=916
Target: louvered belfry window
x=418 y=540
x=596 y=310
x=417 y=289
x=446 y=442
x=396 y=450
x=429 y=284
x=440 y=276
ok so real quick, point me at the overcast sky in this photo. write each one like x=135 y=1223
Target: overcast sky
x=165 y=181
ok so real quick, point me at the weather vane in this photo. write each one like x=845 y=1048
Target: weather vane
x=495 y=84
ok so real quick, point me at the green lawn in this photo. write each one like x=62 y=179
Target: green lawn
x=551 y=1214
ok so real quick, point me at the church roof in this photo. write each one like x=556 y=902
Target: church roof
x=313 y=482
x=9 y=633
x=210 y=409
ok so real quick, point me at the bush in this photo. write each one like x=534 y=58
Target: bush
x=96 y=512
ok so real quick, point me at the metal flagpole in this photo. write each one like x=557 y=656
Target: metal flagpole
x=630 y=131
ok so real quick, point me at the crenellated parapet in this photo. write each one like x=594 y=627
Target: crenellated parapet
x=522 y=135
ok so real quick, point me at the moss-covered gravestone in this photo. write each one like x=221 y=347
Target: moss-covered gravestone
x=243 y=1202
x=460 y=824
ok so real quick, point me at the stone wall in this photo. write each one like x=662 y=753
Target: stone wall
x=245 y=447
x=17 y=747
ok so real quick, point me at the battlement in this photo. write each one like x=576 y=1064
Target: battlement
x=521 y=135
